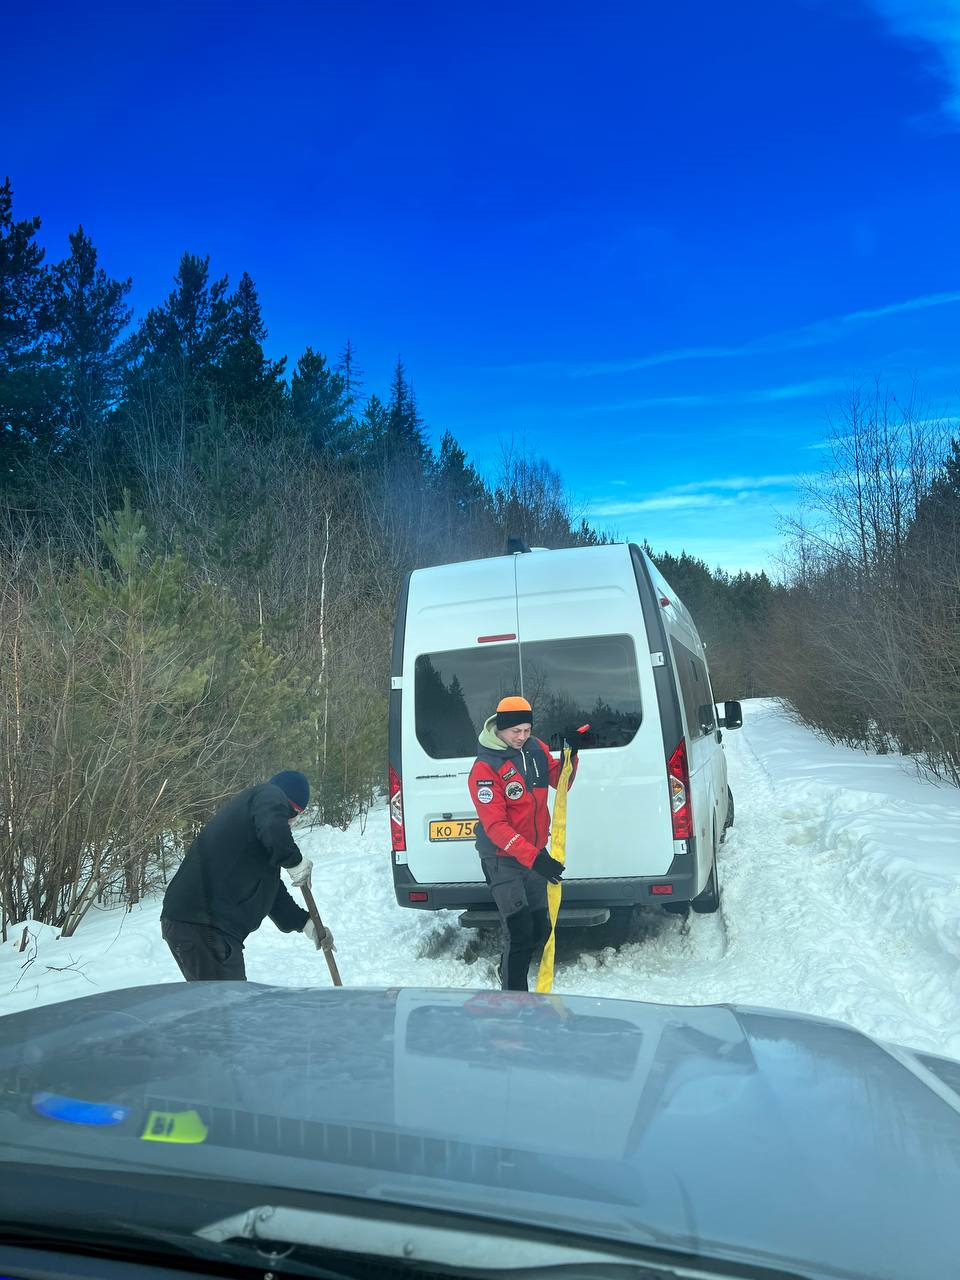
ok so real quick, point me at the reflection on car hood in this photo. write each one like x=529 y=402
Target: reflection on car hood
x=726 y=1131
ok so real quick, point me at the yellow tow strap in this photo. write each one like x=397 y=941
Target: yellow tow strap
x=558 y=850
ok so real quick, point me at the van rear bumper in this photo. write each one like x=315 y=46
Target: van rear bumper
x=619 y=892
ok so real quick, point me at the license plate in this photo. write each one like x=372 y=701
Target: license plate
x=453 y=829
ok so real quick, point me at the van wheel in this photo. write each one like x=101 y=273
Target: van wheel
x=619 y=927
x=708 y=900
x=728 y=820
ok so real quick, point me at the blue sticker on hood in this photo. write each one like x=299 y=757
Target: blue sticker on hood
x=76 y=1111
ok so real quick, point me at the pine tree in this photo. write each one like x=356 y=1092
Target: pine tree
x=28 y=382
x=181 y=344
x=321 y=406
x=178 y=700
x=938 y=514
x=373 y=429
x=90 y=314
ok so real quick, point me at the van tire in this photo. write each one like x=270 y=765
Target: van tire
x=728 y=820
x=620 y=926
x=708 y=900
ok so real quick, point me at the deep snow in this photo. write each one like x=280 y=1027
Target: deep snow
x=841 y=898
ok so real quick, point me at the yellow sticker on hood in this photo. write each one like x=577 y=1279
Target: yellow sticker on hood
x=174 y=1126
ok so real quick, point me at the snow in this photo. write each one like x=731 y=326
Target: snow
x=841 y=898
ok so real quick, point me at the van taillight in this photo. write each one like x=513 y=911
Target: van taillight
x=678 y=776
x=397 y=834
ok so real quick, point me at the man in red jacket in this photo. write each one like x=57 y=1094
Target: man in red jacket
x=508 y=785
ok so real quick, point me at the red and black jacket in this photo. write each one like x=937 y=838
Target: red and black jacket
x=509 y=792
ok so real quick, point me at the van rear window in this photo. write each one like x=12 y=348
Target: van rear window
x=589 y=680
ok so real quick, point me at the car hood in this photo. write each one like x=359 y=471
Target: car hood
x=724 y=1131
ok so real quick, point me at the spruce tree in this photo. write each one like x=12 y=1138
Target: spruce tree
x=351 y=371
x=250 y=384
x=405 y=440
x=458 y=481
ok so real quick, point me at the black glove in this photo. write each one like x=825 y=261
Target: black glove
x=571 y=737
x=548 y=867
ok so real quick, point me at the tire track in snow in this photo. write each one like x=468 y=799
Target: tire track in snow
x=798 y=933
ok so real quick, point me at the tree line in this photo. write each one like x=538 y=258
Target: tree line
x=859 y=636
x=865 y=641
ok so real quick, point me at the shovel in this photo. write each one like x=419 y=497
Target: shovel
x=318 y=925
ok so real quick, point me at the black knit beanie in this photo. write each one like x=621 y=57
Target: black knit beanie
x=294 y=786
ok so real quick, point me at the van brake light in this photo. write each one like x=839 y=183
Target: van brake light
x=678 y=776
x=397 y=833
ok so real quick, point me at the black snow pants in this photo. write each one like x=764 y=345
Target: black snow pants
x=204 y=954
x=521 y=898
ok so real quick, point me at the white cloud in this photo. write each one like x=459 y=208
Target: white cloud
x=895 y=308
x=724 y=491
x=755 y=395
x=737 y=483
x=650 y=361
x=818 y=333
x=936 y=23
x=667 y=502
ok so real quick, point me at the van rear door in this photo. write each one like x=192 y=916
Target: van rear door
x=586 y=659
x=460 y=656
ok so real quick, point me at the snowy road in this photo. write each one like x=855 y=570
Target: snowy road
x=841 y=897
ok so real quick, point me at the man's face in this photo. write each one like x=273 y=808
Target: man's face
x=516 y=735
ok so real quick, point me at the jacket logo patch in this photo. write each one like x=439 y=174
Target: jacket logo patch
x=514 y=790
x=484 y=782
x=484 y=794
x=510 y=773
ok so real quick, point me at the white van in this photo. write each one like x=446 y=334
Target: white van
x=589 y=635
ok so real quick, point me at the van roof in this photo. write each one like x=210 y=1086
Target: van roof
x=462 y=571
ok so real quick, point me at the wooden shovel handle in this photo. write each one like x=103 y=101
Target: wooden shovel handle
x=318 y=925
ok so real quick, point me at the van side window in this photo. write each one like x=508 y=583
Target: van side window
x=695 y=689
x=588 y=680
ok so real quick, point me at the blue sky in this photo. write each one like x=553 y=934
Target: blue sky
x=656 y=244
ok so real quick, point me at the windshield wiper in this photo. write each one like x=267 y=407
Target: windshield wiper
x=125 y=1242
x=480 y=1249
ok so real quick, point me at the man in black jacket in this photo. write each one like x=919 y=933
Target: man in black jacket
x=229 y=881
